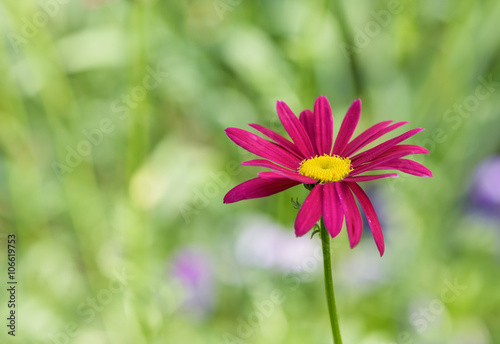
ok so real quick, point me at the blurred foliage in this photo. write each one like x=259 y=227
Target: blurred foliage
x=114 y=162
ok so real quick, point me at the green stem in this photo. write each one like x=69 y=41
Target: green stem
x=330 y=294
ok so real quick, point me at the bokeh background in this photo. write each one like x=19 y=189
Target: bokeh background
x=114 y=163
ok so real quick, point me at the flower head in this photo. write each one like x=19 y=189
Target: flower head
x=333 y=173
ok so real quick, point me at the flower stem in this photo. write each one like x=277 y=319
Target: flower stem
x=330 y=294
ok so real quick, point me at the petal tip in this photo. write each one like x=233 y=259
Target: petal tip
x=299 y=232
x=230 y=130
x=356 y=107
x=280 y=104
x=322 y=99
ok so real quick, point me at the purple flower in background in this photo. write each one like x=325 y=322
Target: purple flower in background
x=265 y=244
x=192 y=269
x=485 y=186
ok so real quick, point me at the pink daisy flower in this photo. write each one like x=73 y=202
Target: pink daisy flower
x=331 y=173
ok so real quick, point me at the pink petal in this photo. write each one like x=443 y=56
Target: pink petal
x=323 y=125
x=391 y=154
x=310 y=212
x=359 y=179
x=406 y=166
x=371 y=216
x=263 y=148
x=370 y=135
x=258 y=187
x=295 y=129
x=352 y=216
x=379 y=161
x=289 y=146
x=288 y=174
x=264 y=163
x=408 y=149
x=382 y=148
x=333 y=214
x=347 y=128
x=307 y=119
x=358 y=141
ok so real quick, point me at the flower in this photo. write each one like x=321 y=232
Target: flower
x=191 y=267
x=486 y=185
x=483 y=197
x=332 y=174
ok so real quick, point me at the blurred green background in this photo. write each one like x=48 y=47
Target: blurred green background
x=114 y=163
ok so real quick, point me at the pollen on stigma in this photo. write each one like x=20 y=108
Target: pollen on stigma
x=326 y=168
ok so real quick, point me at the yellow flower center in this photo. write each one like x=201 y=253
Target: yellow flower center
x=326 y=168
